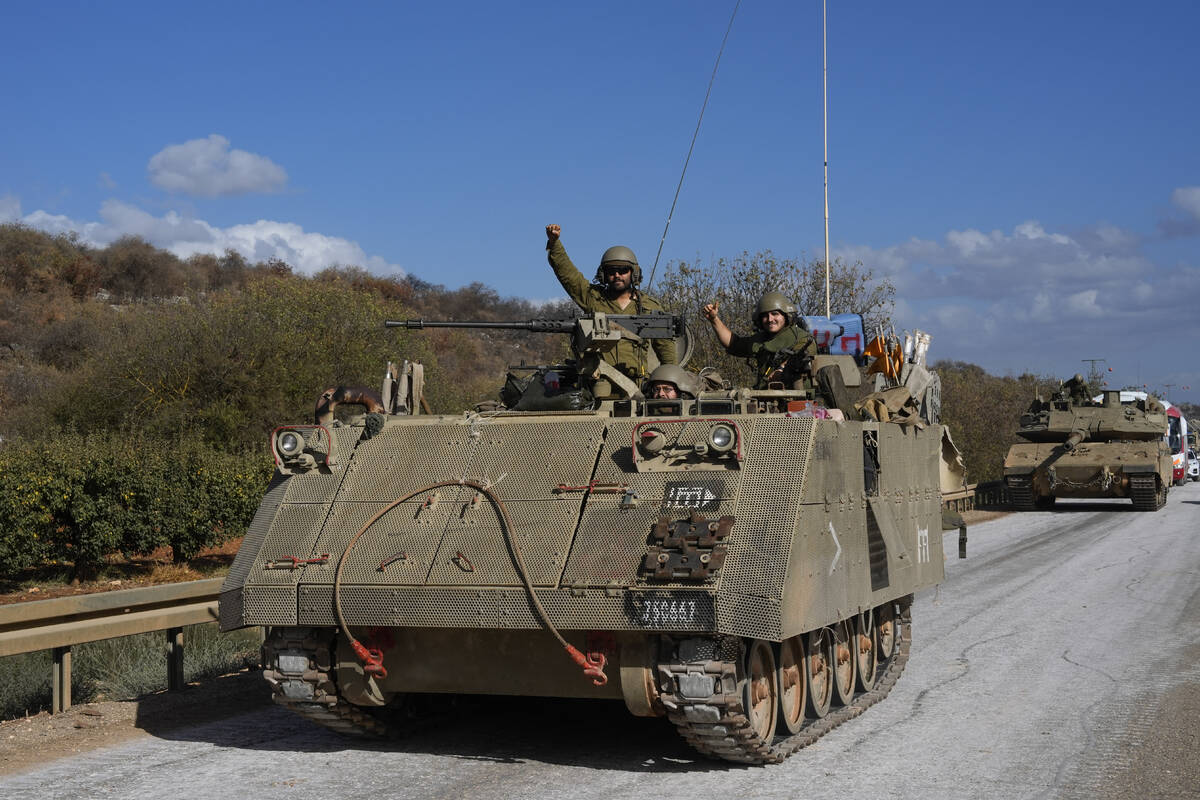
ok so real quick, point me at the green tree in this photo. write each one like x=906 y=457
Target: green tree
x=229 y=368
x=78 y=499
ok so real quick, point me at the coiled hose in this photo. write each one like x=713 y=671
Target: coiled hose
x=592 y=664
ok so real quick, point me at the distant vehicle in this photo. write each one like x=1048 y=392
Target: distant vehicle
x=1177 y=443
x=1193 y=466
x=1076 y=447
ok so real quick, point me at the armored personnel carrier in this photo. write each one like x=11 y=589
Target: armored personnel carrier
x=742 y=562
x=1083 y=447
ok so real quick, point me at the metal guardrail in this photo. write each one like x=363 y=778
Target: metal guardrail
x=59 y=623
x=960 y=500
x=986 y=495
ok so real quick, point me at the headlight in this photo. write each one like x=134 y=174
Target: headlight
x=722 y=438
x=290 y=444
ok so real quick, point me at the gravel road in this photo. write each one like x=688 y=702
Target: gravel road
x=1060 y=660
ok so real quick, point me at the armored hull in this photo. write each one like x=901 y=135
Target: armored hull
x=1038 y=473
x=744 y=570
x=1087 y=449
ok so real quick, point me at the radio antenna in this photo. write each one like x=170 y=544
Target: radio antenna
x=825 y=125
x=703 y=106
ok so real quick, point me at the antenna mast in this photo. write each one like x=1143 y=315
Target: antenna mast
x=825 y=124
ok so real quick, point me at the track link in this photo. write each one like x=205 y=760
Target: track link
x=342 y=717
x=1145 y=492
x=298 y=665
x=1020 y=489
x=718 y=727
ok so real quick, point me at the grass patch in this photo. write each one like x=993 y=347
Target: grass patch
x=124 y=668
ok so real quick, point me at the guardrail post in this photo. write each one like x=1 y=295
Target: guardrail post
x=60 y=689
x=174 y=659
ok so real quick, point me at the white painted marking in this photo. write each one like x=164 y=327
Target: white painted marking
x=838 y=554
x=922 y=545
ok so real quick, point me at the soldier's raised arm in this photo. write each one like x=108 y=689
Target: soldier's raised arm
x=577 y=286
x=724 y=335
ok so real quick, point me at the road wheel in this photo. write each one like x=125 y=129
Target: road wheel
x=886 y=627
x=866 y=649
x=760 y=692
x=818 y=673
x=844 y=662
x=792 y=686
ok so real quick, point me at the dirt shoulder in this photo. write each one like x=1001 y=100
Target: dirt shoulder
x=976 y=517
x=31 y=742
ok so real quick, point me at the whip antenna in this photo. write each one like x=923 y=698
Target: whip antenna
x=703 y=106
x=825 y=123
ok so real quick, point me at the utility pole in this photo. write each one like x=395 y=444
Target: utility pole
x=1168 y=387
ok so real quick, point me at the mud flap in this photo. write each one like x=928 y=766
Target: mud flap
x=899 y=560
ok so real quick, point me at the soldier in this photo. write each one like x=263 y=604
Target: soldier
x=1077 y=389
x=670 y=382
x=613 y=290
x=781 y=350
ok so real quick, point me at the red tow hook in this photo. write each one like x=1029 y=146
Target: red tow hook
x=372 y=660
x=592 y=664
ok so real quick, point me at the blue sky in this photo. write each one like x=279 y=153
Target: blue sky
x=1027 y=174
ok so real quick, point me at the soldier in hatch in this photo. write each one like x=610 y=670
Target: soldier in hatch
x=781 y=350
x=671 y=382
x=1077 y=389
x=613 y=290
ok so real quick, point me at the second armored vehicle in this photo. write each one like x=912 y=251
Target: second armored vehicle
x=1080 y=447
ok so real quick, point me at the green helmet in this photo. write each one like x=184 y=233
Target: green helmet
x=618 y=256
x=774 y=301
x=684 y=381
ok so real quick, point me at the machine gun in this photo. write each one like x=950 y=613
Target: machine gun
x=592 y=336
x=639 y=326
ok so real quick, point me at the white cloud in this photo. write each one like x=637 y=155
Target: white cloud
x=307 y=252
x=1040 y=310
x=10 y=208
x=1188 y=199
x=208 y=167
x=1084 y=303
x=1036 y=297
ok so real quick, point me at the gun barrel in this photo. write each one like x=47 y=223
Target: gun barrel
x=1074 y=439
x=541 y=325
x=654 y=325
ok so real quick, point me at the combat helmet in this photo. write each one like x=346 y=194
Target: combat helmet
x=685 y=382
x=618 y=256
x=774 y=301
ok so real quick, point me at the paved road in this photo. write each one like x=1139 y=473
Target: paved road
x=1058 y=661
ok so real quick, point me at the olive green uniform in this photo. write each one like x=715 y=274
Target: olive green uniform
x=628 y=356
x=786 y=353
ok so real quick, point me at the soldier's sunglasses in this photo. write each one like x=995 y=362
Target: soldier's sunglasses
x=617 y=270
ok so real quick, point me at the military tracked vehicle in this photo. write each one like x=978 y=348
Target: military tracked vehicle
x=1084 y=447
x=742 y=562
